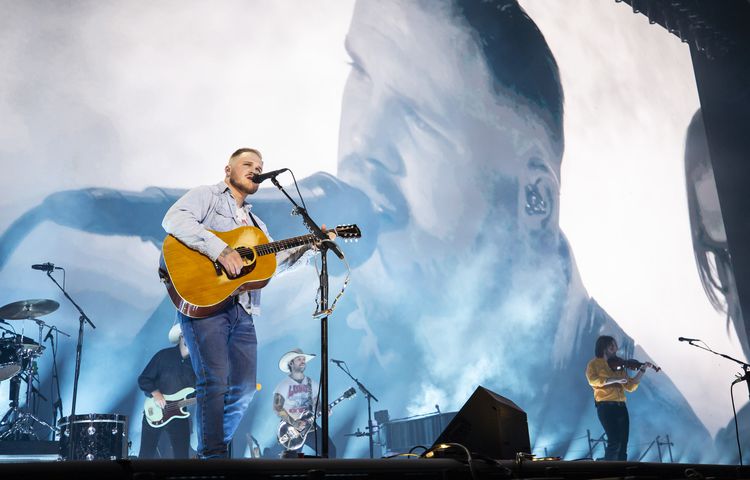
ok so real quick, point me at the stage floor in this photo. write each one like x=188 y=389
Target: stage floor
x=395 y=468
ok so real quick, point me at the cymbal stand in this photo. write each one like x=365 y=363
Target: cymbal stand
x=23 y=426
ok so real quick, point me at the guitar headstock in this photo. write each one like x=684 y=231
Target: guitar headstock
x=348 y=232
x=349 y=393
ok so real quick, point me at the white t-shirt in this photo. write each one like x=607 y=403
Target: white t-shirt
x=299 y=396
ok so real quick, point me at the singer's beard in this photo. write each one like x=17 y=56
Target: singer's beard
x=247 y=188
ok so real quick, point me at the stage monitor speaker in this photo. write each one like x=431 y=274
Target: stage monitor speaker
x=490 y=425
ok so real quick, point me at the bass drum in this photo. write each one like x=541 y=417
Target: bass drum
x=96 y=436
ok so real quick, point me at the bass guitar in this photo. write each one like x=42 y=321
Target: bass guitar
x=200 y=287
x=292 y=438
x=157 y=417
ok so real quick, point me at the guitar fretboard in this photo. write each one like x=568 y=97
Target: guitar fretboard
x=333 y=404
x=186 y=402
x=276 y=247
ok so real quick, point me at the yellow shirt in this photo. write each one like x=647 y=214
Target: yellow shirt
x=597 y=372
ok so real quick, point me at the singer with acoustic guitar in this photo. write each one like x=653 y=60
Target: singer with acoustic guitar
x=222 y=342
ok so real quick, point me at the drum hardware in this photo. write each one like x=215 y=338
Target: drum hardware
x=18 y=356
x=93 y=436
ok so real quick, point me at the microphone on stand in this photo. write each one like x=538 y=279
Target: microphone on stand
x=739 y=379
x=45 y=267
x=683 y=339
x=49 y=336
x=337 y=362
x=265 y=176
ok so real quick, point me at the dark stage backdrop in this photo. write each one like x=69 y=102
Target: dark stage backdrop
x=439 y=130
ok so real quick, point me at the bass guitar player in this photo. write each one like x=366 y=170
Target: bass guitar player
x=168 y=372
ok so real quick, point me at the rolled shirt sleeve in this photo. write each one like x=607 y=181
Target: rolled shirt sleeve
x=149 y=376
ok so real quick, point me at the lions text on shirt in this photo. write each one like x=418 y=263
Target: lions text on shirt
x=298 y=396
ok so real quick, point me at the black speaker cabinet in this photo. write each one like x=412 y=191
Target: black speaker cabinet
x=490 y=425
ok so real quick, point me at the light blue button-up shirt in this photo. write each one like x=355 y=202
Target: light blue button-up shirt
x=213 y=207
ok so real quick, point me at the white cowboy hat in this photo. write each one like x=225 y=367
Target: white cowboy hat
x=291 y=355
x=174 y=333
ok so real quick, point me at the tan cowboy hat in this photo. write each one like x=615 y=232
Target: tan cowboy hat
x=174 y=333
x=291 y=355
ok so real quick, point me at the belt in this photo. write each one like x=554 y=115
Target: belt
x=610 y=402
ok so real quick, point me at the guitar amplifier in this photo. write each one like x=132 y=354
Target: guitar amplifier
x=403 y=435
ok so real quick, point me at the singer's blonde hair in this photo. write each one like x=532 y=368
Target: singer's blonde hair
x=240 y=151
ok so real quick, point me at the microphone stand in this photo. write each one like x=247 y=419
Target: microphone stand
x=745 y=366
x=325 y=245
x=744 y=378
x=369 y=397
x=82 y=320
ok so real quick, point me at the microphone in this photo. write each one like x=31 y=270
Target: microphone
x=683 y=339
x=272 y=174
x=739 y=379
x=49 y=336
x=337 y=362
x=45 y=267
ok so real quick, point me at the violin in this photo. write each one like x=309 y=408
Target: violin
x=617 y=364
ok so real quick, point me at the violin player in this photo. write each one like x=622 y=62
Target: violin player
x=607 y=375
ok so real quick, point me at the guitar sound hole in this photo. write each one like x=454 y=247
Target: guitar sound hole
x=247 y=269
x=248 y=255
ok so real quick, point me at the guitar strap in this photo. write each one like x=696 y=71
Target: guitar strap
x=314 y=413
x=255 y=222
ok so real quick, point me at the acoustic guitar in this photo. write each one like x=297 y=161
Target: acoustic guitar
x=200 y=287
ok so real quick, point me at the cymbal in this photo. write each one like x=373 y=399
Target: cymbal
x=28 y=309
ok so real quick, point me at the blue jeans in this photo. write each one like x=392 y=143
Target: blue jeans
x=224 y=353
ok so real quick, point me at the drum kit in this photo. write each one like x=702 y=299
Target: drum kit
x=82 y=437
x=18 y=355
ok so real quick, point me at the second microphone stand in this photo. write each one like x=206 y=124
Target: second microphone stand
x=370 y=397
x=744 y=378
